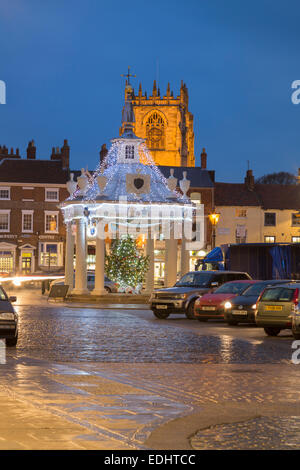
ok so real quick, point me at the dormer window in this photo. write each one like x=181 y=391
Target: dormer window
x=129 y=152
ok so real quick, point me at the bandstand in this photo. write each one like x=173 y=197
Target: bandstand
x=127 y=194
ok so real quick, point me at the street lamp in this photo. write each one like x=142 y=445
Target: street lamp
x=214 y=219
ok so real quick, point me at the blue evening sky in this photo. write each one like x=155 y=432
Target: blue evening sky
x=62 y=59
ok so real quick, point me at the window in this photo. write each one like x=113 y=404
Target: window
x=27 y=221
x=49 y=254
x=241 y=212
x=51 y=222
x=270 y=219
x=269 y=239
x=241 y=234
x=4 y=220
x=4 y=193
x=51 y=194
x=155 y=132
x=296 y=219
x=295 y=239
x=129 y=152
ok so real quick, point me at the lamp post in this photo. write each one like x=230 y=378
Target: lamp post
x=214 y=219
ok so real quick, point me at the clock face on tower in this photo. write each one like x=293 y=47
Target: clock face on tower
x=155 y=134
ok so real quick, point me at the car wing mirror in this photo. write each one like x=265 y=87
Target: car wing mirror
x=13 y=298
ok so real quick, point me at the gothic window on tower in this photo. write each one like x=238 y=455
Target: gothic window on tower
x=129 y=152
x=155 y=132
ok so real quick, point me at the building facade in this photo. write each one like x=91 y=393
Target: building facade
x=257 y=213
x=32 y=233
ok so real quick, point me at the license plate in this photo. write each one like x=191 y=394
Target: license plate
x=239 y=312
x=7 y=327
x=273 y=307
x=208 y=308
x=162 y=307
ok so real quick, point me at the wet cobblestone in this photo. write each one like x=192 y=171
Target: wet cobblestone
x=68 y=335
x=265 y=433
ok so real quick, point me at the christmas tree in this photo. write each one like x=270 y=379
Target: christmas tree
x=126 y=265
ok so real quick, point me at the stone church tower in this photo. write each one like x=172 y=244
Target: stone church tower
x=166 y=124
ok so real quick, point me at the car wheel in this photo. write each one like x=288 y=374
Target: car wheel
x=12 y=341
x=108 y=290
x=160 y=315
x=272 y=331
x=190 y=311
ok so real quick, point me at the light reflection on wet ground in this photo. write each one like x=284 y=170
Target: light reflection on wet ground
x=265 y=433
x=73 y=335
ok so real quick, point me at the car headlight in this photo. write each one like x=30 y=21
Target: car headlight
x=254 y=306
x=180 y=296
x=227 y=305
x=7 y=316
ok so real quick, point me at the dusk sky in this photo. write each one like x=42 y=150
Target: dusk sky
x=61 y=61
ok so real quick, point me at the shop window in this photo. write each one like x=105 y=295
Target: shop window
x=48 y=254
x=270 y=239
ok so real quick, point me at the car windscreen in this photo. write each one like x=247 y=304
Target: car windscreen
x=232 y=288
x=3 y=296
x=278 y=294
x=196 y=279
x=255 y=289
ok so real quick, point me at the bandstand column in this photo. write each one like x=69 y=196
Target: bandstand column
x=69 y=256
x=185 y=258
x=171 y=261
x=150 y=273
x=99 y=268
x=81 y=249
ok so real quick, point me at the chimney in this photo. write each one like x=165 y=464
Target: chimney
x=249 y=180
x=203 y=159
x=31 y=150
x=65 y=155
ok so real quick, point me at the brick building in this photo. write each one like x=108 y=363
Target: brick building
x=32 y=232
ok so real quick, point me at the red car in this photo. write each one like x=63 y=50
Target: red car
x=213 y=304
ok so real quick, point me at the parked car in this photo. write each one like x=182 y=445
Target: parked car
x=241 y=309
x=213 y=304
x=276 y=306
x=109 y=286
x=8 y=319
x=296 y=322
x=181 y=298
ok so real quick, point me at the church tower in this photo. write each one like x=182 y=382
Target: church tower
x=165 y=123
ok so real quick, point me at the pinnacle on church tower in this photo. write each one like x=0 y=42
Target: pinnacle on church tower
x=154 y=91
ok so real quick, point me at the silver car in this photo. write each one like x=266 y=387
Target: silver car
x=8 y=319
x=109 y=286
x=182 y=296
